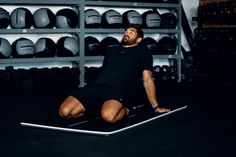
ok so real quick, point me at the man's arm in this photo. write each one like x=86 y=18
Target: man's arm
x=150 y=90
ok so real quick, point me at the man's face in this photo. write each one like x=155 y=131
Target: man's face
x=130 y=36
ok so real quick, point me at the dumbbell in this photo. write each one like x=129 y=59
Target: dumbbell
x=218 y=12
x=4 y=18
x=151 y=45
x=23 y=48
x=165 y=73
x=5 y=48
x=157 y=72
x=92 y=46
x=173 y=73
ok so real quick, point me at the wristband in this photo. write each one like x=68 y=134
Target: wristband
x=154 y=108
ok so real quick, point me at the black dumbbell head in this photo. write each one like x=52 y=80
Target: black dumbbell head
x=5 y=48
x=67 y=46
x=44 y=18
x=66 y=18
x=21 y=18
x=23 y=47
x=111 y=19
x=4 y=18
x=92 y=18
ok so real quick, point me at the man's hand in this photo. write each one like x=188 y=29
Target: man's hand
x=161 y=110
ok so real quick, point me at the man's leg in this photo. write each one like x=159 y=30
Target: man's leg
x=113 y=111
x=71 y=107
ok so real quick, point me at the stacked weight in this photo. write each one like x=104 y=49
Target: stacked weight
x=217 y=14
x=54 y=79
x=23 y=18
x=114 y=19
x=166 y=73
x=43 y=47
x=215 y=41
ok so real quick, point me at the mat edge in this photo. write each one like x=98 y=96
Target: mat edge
x=33 y=125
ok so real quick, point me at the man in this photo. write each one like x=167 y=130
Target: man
x=122 y=70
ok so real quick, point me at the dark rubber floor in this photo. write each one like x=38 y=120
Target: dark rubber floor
x=205 y=129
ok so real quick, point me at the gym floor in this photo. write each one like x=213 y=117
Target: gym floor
x=205 y=128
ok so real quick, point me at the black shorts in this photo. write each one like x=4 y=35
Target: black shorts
x=92 y=96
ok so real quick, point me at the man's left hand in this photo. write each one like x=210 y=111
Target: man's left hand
x=161 y=110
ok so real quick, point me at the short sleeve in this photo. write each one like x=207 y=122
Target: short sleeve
x=147 y=60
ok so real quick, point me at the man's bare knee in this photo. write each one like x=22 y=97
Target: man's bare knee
x=110 y=111
x=109 y=115
x=64 y=112
x=71 y=107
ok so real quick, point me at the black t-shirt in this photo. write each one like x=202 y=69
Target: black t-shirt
x=123 y=66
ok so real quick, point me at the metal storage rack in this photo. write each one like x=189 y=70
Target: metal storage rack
x=81 y=31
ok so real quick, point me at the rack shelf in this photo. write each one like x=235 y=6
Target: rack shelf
x=148 y=31
x=38 y=31
x=130 y=4
x=81 y=31
x=39 y=60
x=40 y=2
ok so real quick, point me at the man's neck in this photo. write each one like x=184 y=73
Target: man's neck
x=128 y=46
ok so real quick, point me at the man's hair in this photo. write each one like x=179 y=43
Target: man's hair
x=139 y=30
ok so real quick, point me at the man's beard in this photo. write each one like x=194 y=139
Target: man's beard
x=123 y=42
x=127 y=42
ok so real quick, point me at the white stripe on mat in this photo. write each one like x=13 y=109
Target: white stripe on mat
x=98 y=132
